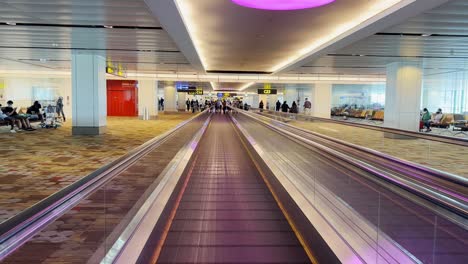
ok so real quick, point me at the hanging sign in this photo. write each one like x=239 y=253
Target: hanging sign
x=267 y=91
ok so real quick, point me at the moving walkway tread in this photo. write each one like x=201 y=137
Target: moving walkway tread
x=226 y=213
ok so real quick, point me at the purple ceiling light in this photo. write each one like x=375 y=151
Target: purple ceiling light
x=282 y=4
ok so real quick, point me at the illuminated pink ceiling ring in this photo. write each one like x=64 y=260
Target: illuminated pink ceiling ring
x=282 y=4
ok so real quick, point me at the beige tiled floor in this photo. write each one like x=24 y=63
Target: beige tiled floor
x=36 y=164
x=442 y=156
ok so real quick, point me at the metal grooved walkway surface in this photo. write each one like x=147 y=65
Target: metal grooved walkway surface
x=227 y=214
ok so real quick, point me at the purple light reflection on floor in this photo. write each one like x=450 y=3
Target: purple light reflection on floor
x=281 y=4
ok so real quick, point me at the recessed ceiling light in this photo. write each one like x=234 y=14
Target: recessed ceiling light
x=54 y=45
x=42 y=60
x=106 y=26
x=426 y=35
x=281 y=4
x=11 y=23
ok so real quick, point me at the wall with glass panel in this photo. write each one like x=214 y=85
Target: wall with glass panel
x=448 y=91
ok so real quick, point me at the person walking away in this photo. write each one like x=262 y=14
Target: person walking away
x=162 y=104
x=192 y=105
x=294 y=109
x=260 y=105
x=284 y=107
x=278 y=106
x=59 y=108
x=187 y=103
x=224 y=106
x=307 y=106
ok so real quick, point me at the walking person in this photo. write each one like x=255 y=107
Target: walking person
x=284 y=107
x=278 y=106
x=59 y=108
x=307 y=107
x=187 y=103
x=260 y=105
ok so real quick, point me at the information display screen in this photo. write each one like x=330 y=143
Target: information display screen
x=195 y=91
x=267 y=91
x=224 y=95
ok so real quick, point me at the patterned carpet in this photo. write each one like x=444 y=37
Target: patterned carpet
x=442 y=156
x=85 y=233
x=37 y=164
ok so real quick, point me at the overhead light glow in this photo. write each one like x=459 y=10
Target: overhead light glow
x=281 y=4
x=373 y=12
x=246 y=86
x=188 y=16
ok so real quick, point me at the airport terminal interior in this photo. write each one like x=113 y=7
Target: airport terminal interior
x=233 y=131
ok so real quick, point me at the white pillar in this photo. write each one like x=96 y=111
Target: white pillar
x=290 y=95
x=147 y=98
x=89 y=105
x=170 y=98
x=182 y=98
x=272 y=98
x=403 y=96
x=321 y=98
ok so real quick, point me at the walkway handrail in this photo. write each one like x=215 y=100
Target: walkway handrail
x=19 y=229
x=439 y=138
x=437 y=173
x=456 y=205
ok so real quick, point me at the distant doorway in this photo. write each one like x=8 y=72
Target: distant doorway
x=122 y=98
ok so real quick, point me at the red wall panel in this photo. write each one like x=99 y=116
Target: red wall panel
x=122 y=98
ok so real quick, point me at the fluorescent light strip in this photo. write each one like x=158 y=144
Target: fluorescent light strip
x=374 y=9
x=246 y=86
x=186 y=13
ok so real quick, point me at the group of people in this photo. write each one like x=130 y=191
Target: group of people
x=427 y=119
x=218 y=106
x=285 y=108
x=195 y=105
x=10 y=115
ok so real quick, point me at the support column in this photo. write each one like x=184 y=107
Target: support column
x=290 y=95
x=403 y=96
x=89 y=105
x=147 y=99
x=170 y=98
x=272 y=98
x=321 y=98
x=182 y=98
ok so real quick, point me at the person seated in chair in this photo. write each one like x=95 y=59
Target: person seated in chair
x=23 y=123
x=35 y=109
x=9 y=120
x=435 y=120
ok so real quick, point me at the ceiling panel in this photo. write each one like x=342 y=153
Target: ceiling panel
x=60 y=26
x=82 y=12
x=443 y=50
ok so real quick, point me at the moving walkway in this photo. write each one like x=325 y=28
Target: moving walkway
x=243 y=190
